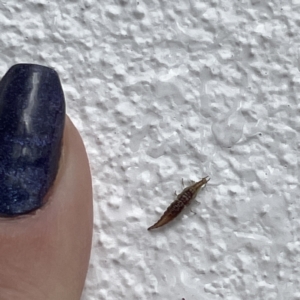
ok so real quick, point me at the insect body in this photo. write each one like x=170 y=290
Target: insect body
x=183 y=199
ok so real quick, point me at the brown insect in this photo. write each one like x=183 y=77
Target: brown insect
x=183 y=199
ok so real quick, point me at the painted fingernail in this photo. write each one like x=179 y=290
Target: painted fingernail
x=32 y=116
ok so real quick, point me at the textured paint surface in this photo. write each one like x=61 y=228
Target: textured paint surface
x=164 y=90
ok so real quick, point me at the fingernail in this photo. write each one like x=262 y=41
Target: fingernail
x=32 y=115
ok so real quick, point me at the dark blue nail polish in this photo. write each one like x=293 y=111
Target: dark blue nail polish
x=32 y=115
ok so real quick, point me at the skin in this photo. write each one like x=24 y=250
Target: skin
x=45 y=255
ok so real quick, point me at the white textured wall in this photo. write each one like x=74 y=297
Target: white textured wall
x=165 y=90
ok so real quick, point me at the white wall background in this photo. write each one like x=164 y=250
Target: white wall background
x=165 y=90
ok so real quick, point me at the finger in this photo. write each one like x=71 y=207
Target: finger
x=44 y=254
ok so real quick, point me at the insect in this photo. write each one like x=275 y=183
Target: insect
x=183 y=199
